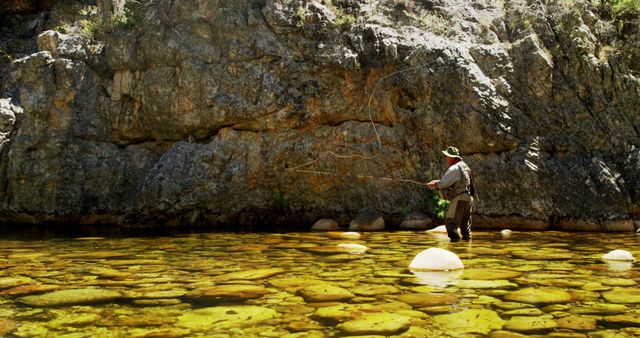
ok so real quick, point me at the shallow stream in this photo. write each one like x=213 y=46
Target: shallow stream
x=303 y=285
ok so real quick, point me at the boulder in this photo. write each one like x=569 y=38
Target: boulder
x=436 y=259
x=49 y=41
x=325 y=224
x=440 y=230
x=619 y=255
x=8 y=112
x=367 y=220
x=416 y=221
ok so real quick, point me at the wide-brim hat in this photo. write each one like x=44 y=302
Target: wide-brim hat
x=452 y=152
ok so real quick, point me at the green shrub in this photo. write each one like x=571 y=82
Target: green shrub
x=346 y=20
x=278 y=196
x=436 y=205
x=625 y=14
x=63 y=28
x=94 y=27
x=624 y=6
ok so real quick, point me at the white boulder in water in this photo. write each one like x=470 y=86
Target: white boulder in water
x=506 y=232
x=350 y=235
x=436 y=259
x=438 y=230
x=619 y=255
x=438 y=278
x=354 y=248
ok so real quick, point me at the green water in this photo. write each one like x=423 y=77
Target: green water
x=300 y=285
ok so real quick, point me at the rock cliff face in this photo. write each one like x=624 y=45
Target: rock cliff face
x=186 y=112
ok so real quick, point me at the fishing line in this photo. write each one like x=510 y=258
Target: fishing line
x=359 y=156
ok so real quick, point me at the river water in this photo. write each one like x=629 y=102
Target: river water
x=304 y=285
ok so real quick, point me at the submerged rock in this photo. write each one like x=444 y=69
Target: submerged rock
x=532 y=311
x=436 y=259
x=74 y=320
x=30 y=289
x=344 y=312
x=375 y=290
x=485 y=284
x=600 y=309
x=224 y=317
x=419 y=300
x=543 y=255
x=329 y=249
x=325 y=293
x=376 y=324
x=629 y=319
x=7 y=326
x=294 y=283
x=158 y=333
x=163 y=294
x=72 y=297
x=490 y=274
x=539 y=296
x=343 y=235
x=11 y=282
x=622 y=295
x=579 y=323
x=470 y=321
x=227 y=292
x=506 y=334
x=158 y=302
x=249 y=274
x=525 y=324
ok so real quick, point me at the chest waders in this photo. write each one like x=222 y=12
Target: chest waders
x=459 y=212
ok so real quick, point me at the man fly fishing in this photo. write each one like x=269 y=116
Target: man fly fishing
x=456 y=185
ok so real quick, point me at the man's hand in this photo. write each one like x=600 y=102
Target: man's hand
x=433 y=184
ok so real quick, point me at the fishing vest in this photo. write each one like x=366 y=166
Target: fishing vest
x=463 y=186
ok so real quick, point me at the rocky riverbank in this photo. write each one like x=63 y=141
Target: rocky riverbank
x=205 y=113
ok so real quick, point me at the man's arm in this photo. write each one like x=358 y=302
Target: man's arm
x=451 y=176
